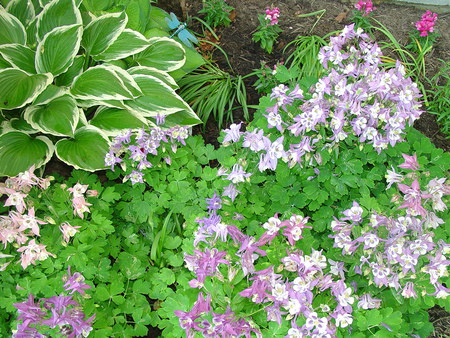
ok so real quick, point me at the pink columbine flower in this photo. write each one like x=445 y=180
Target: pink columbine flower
x=78 y=189
x=68 y=231
x=410 y=162
x=366 y=6
x=426 y=24
x=80 y=206
x=272 y=15
x=16 y=199
x=33 y=252
x=27 y=221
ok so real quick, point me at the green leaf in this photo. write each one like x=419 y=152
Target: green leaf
x=19 y=88
x=113 y=120
x=138 y=12
x=20 y=151
x=160 y=99
x=163 y=53
x=19 y=56
x=172 y=242
x=57 y=13
x=130 y=265
x=128 y=43
x=102 y=82
x=59 y=117
x=101 y=293
x=11 y=29
x=166 y=276
x=159 y=74
x=86 y=150
x=97 y=5
x=101 y=32
x=56 y=52
x=66 y=79
x=22 y=10
x=50 y=93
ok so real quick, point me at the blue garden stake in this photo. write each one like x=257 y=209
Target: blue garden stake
x=183 y=34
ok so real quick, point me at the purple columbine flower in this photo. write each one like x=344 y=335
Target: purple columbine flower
x=410 y=162
x=233 y=134
x=230 y=191
x=214 y=203
x=237 y=174
x=74 y=283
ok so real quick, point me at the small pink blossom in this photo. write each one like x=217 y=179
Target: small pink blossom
x=33 y=252
x=272 y=15
x=68 y=231
x=366 y=6
x=16 y=199
x=410 y=162
x=426 y=24
x=25 y=222
x=80 y=206
x=78 y=190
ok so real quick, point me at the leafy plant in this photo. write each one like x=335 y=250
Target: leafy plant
x=439 y=97
x=69 y=84
x=217 y=12
x=268 y=30
x=212 y=91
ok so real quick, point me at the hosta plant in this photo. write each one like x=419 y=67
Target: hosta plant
x=69 y=83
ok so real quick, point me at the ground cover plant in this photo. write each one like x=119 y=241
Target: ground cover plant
x=326 y=215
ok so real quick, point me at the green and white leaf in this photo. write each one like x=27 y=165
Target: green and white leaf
x=114 y=120
x=128 y=43
x=66 y=79
x=31 y=31
x=56 y=52
x=19 y=88
x=11 y=29
x=19 y=56
x=101 y=32
x=57 y=13
x=163 y=53
x=86 y=150
x=59 y=117
x=100 y=83
x=18 y=124
x=50 y=93
x=159 y=99
x=127 y=79
x=107 y=103
x=22 y=10
x=159 y=74
x=4 y=63
x=19 y=152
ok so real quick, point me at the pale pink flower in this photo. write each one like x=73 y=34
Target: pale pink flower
x=16 y=199
x=92 y=193
x=80 y=206
x=78 y=190
x=33 y=252
x=410 y=162
x=27 y=221
x=68 y=231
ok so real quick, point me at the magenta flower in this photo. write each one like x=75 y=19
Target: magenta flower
x=272 y=15
x=366 y=6
x=74 y=283
x=413 y=198
x=426 y=24
x=410 y=162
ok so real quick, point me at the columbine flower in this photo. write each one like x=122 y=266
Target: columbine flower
x=272 y=225
x=136 y=177
x=354 y=213
x=78 y=190
x=366 y=302
x=410 y=162
x=237 y=174
x=16 y=199
x=68 y=231
x=74 y=283
x=33 y=252
x=392 y=177
x=233 y=134
x=231 y=192
x=408 y=290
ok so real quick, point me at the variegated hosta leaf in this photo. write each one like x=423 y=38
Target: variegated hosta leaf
x=19 y=124
x=128 y=43
x=19 y=88
x=113 y=120
x=11 y=29
x=22 y=10
x=57 y=50
x=58 y=117
x=159 y=99
x=159 y=74
x=50 y=93
x=66 y=79
x=57 y=13
x=19 y=56
x=104 y=82
x=101 y=32
x=86 y=150
x=163 y=53
x=19 y=152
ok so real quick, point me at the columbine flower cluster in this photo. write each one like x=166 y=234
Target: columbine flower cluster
x=21 y=224
x=138 y=145
x=394 y=251
x=285 y=292
x=365 y=6
x=426 y=24
x=272 y=14
x=62 y=312
x=356 y=97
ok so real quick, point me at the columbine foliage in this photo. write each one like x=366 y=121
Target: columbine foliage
x=69 y=84
x=217 y=12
